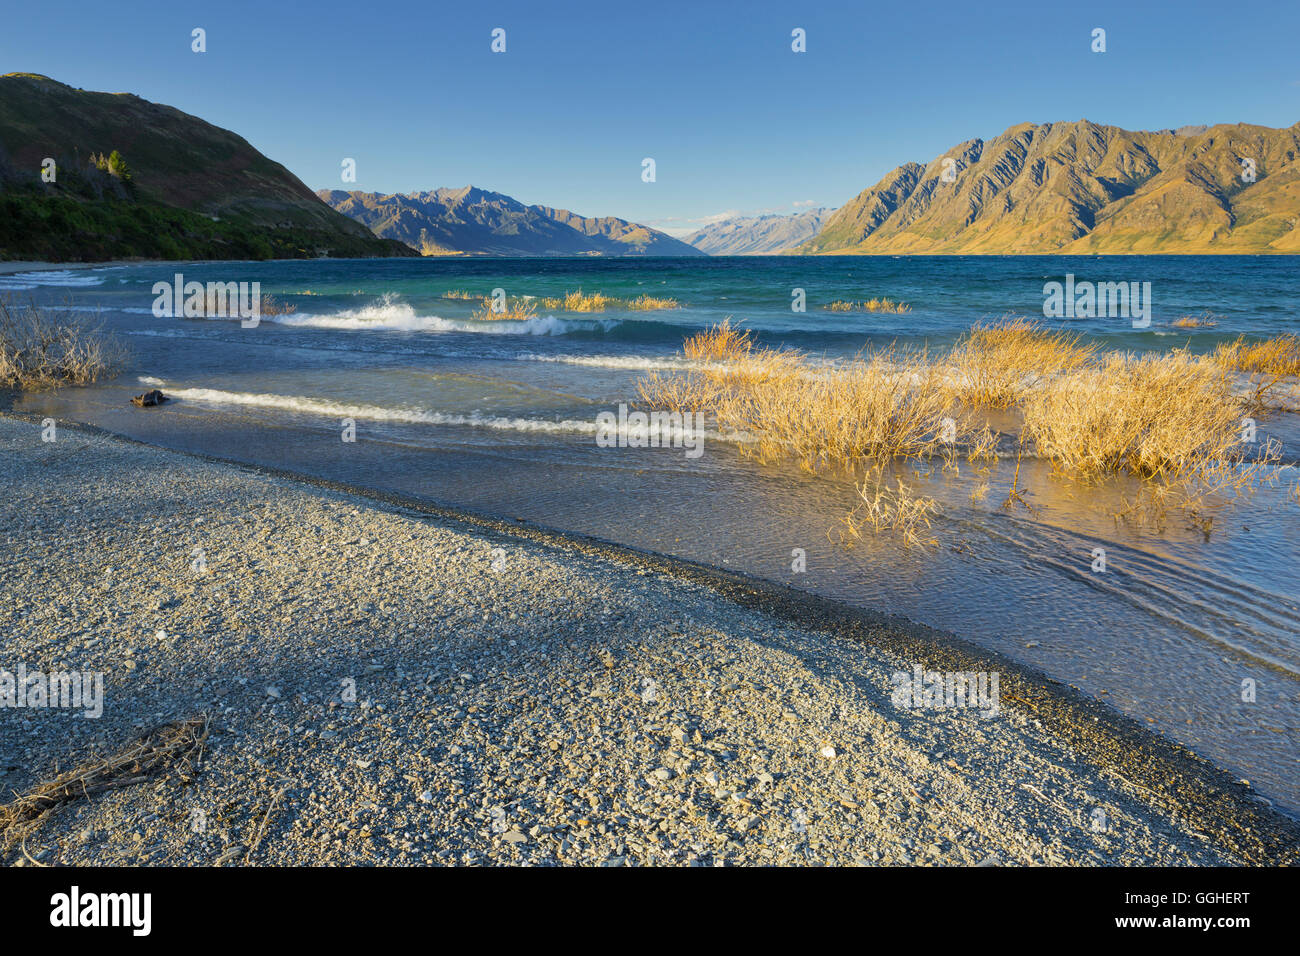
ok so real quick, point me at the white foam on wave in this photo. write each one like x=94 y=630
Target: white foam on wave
x=390 y=314
x=633 y=362
x=69 y=278
x=415 y=415
x=652 y=363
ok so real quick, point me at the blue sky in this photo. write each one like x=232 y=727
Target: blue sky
x=735 y=120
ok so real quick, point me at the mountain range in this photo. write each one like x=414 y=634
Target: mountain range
x=89 y=175
x=1080 y=188
x=126 y=177
x=477 y=222
x=759 y=235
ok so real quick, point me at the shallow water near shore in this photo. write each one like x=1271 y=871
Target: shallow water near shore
x=498 y=417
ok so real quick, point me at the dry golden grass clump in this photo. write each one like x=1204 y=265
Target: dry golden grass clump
x=721 y=343
x=273 y=306
x=871 y=305
x=1174 y=420
x=38 y=351
x=649 y=303
x=510 y=309
x=176 y=746
x=1206 y=321
x=1278 y=356
x=219 y=304
x=996 y=365
x=460 y=294
x=871 y=409
x=1170 y=418
x=886 y=305
x=848 y=418
x=598 y=302
x=894 y=509
x=1268 y=362
x=730 y=363
x=579 y=302
x=883 y=406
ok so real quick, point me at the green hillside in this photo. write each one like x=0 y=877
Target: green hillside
x=177 y=188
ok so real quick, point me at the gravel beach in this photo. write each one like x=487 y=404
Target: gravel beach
x=394 y=687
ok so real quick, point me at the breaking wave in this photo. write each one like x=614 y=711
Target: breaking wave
x=416 y=415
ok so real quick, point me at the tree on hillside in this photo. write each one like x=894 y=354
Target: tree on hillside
x=113 y=164
x=117 y=167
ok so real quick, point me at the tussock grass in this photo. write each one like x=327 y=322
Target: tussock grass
x=996 y=365
x=871 y=409
x=598 y=302
x=1268 y=362
x=513 y=309
x=273 y=306
x=1205 y=321
x=886 y=305
x=1169 y=418
x=579 y=302
x=870 y=305
x=1278 y=356
x=39 y=351
x=1173 y=421
x=218 y=305
x=650 y=303
x=460 y=294
x=722 y=343
x=176 y=746
x=849 y=418
x=895 y=509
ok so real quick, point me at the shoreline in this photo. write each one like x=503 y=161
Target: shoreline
x=11 y=266
x=1153 y=782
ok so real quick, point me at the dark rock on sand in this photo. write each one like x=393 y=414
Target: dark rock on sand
x=150 y=398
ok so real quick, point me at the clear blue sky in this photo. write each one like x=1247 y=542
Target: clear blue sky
x=712 y=91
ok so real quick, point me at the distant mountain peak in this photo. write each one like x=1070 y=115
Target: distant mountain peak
x=472 y=221
x=766 y=234
x=1084 y=187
